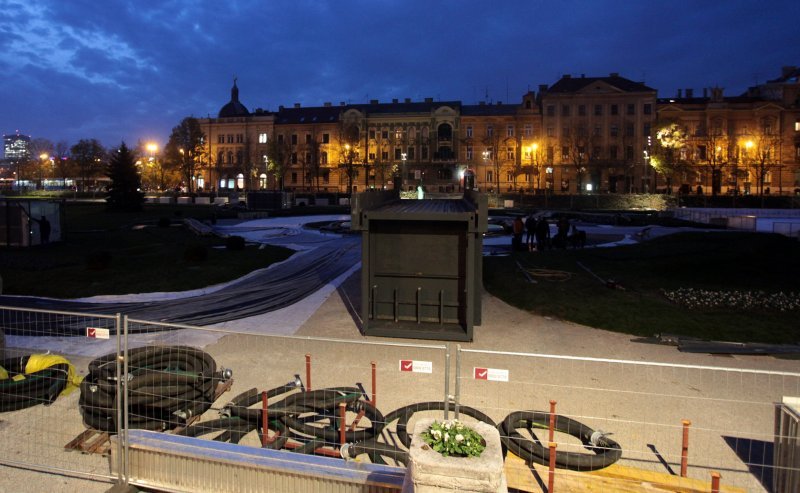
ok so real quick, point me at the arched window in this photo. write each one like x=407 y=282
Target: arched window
x=444 y=132
x=201 y=182
x=262 y=181
x=239 y=157
x=240 y=180
x=323 y=157
x=221 y=157
x=230 y=157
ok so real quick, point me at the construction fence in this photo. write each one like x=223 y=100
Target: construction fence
x=615 y=424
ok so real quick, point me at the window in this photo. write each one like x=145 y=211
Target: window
x=612 y=152
x=372 y=134
x=308 y=138
x=550 y=131
x=308 y=158
x=550 y=154
x=385 y=134
x=294 y=139
x=551 y=110
x=646 y=129
x=469 y=153
x=598 y=110
x=565 y=132
x=410 y=153
x=294 y=177
x=323 y=157
x=398 y=134
x=469 y=131
x=384 y=155
x=629 y=152
x=564 y=110
x=326 y=177
x=581 y=110
x=239 y=138
x=629 y=130
x=648 y=109
x=509 y=176
x=221 y=139
x=489 y=130
x=262 y=138
x=701 y=153
x=510 y=153
x=797 y=126
x=230 y=138
x=294 y=158
x=510 y=131
x=326 y=138
x=280 y=138
x=424 y=156
x=582 y=131
x=615 y=109
x=239 y=157
x=564 y=153
x=372 y=156
x=596 y=152
x=631 y=109
x=597 y=130
x=489 y=176
x=528 y=130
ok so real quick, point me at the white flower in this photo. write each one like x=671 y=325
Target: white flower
x=459 y=438
x=446 y=437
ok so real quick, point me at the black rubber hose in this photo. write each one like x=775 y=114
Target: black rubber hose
x=40 y=387
x=605 y=451
x=403 y=416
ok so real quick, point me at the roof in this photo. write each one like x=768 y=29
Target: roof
x=233 y=107
x=574 y=84
x=404 y=107
x=316 y=114
x=489 y=109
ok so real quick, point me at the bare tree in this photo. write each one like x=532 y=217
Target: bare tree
x=41 y=155
x=713 y=155
x=186 y=149
x=89 y=156
x=279 y=155
x=348 y=141
x=762 y=154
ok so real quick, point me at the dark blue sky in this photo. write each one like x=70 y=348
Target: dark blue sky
x=117 y=70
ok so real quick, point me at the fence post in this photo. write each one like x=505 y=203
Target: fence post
x=715 y=481
x=342 y=423
x=552 y=427
x=685 y=447
x=122 y=476
x=308 y=372
x=447 y=383
x=264 y=428
x=551 y=473
x=126 y=397
x=458 y=380
x=374 y=384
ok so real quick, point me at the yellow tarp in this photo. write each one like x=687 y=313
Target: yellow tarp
x=39 y=362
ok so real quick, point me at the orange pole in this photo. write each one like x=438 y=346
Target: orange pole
x=342 y=424
x=374 y=384
x=551 y=473
x=264 y=428
x=308 y=372
x=552 y=419
x=685 y=447
x=715 y=481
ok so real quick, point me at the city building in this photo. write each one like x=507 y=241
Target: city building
x=580 y=135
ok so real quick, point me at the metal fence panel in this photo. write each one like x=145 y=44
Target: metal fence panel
x=730 y=411
x=41 y=425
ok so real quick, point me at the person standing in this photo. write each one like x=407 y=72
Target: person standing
x=542 y=234
x=44 y=230
x=518 y=228
x=530 y=230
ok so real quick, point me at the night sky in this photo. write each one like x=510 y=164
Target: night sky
x=115 y=70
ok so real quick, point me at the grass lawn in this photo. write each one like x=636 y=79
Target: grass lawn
x=568 y=287
x=120 y=253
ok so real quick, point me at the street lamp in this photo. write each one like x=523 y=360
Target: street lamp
x=403 y=157
x=44 y=157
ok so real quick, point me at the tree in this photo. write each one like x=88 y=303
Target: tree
x=185 y=149
x=714 y=155
x=124 y=192
x=573 y=146
x=668 y=156
x=88 y=156
x=41 y=155
x=279 y=155
x=348 y=152
x=761 y=154
x=63 y=162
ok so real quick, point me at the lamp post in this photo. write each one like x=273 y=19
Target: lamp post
x=403 y=157
x=485 y=155
x=43 y=157
x=152 y=148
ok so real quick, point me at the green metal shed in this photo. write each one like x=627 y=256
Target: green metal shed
x=421 y=273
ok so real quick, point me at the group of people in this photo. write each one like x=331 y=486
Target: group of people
x=538 y=234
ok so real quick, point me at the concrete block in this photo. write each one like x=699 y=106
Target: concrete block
x=430 y=472
x=202 y=200
x=184 y=200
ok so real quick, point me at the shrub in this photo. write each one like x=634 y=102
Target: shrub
x=164 y=222
x=195 y=253
x=234 y=243
x=451 y=437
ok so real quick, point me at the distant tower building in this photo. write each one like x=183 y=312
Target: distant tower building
x=17 y=147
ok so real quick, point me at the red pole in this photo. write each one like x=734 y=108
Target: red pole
x=551 y=474
x=308 y=372
x=685 y=447
x=264 y=428
x=715 y=481
x=552 y=419
x=342 y=424
x=374 y=384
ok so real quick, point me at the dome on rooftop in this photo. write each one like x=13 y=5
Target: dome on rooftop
x=233 y=107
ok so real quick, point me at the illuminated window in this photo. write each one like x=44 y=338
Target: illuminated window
x=510 y=131
x=323 y=157
x=469 y=131
x=489 y=130
x=528 y=130
x=262 y=138
x=469 y=153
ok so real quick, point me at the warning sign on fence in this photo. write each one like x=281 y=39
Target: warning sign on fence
x=96 y=333
x=416 y=366
x=493 y=374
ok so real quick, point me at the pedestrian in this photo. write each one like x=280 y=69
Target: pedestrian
x=530 y=230
x=44 y=230
x=518 y=228
x=542 y=234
